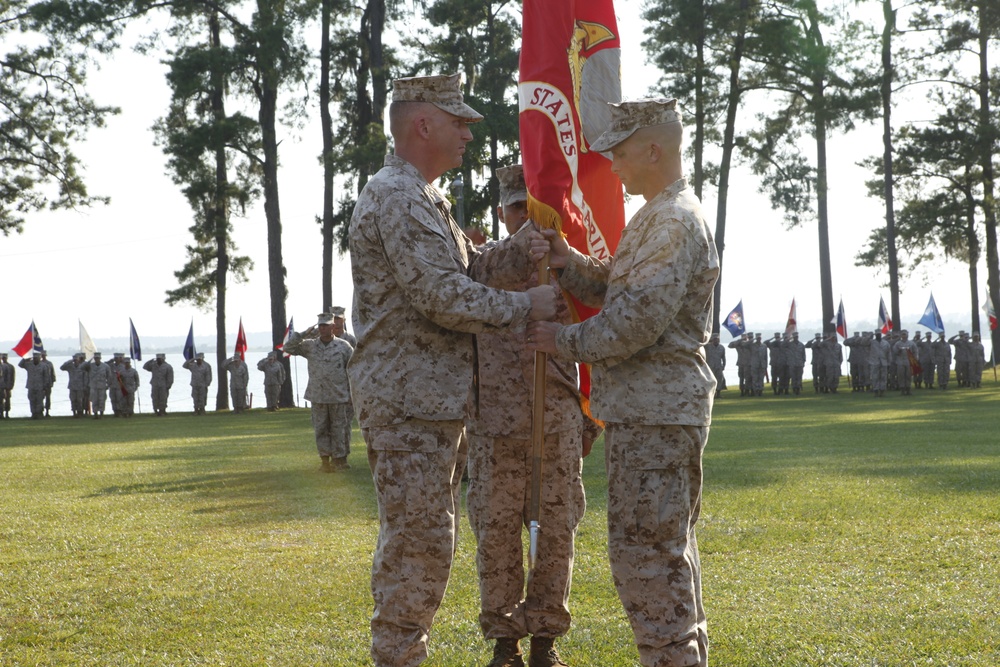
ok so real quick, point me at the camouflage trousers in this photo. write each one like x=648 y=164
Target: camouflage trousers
x=239 y=396
x=199 y=395
x=272 y=395
x=5 y=400
x=98 y=398
x=879 y=375
x=498 y=502
x=159 y=396
x=328 y=423
x=654 y=500
x=943 y=373
x=417 y=469
x=78 y=400
x=36 y=400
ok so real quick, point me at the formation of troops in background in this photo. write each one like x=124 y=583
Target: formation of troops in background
x=877 y=362
x=94 y=383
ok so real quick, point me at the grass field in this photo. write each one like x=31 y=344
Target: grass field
x=836 y=530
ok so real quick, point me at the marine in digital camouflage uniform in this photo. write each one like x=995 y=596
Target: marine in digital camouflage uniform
x=879 y=356
x=49 y=381
x=942 y=360
x=78 y=387
x=715 y=354
x=37 y=377
x=100 y=378
x=415 y=310
x=977 y=360
x=160 y=383
x=500 y=463
x=651 y=384
x=926 y=358
x=341 y=332
x=7 y=375
x=817 y=362
x=274 y=378
x=201 y=378
x=796 y=353
x=130 y=381
x=961 y=357
x=239 y=378
x=742 y=347
x=327 y=390
x=902 y=348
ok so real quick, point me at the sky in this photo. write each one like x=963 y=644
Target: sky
x=103 y=265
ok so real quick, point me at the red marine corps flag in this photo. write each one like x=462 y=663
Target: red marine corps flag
x=570 y=71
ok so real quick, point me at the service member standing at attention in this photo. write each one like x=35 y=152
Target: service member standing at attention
x=78 y=389
x=37 y=373
x=327 y=390
x=201 y=378
x=239 y=378
x=100 y=377
x=715 y=354
x=130 y=381
x=7 y=374
x=50 y=380
x=500 y=465
x=415 y=310
x=274 y=377
x=651 y=384
x=161 y=381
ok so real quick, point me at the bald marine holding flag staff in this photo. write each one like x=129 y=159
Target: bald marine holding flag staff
x=651 y=383
x=416 y=310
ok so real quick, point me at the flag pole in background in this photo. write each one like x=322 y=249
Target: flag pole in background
x=189 y=349
x=27 y=342
x=135 y=352
x=86 y=343
x=792 y=325
x=563 y=107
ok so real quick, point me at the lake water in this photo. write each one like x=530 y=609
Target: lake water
x=180 y=394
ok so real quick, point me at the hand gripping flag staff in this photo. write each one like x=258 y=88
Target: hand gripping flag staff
x=569 y=71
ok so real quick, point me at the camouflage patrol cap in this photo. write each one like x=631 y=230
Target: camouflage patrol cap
x=337 y=311
x=443 y=91
x=200 y=355
x=97 y=355
x=324 y=318
x=627 y=117
x=161 y=355
x=512 y=186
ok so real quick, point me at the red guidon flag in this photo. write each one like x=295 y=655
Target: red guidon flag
x=570 y=71
x=241 y=342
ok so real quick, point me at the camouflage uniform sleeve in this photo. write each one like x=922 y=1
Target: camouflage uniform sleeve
x=586 y=278
x=423 y=261
x=503 y=264
x=651 y=296
x=295 y=345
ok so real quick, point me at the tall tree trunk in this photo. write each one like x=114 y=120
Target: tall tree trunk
x=972 y=240
x=699 y=108
x=988 y=141
x=220 y=218
x=327 y=128
x=267 y=93
x=728 y=146
x=890 y=215
x=822 y=189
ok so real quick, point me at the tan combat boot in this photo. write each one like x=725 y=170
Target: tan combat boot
x=506 y=653
x=544 y=654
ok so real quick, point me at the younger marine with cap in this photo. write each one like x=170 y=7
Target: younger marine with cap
x=652 y=386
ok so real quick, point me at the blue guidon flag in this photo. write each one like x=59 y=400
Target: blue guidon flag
x=134 y=348
x=734 y=321
x=189 y=351
x=931 y=317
